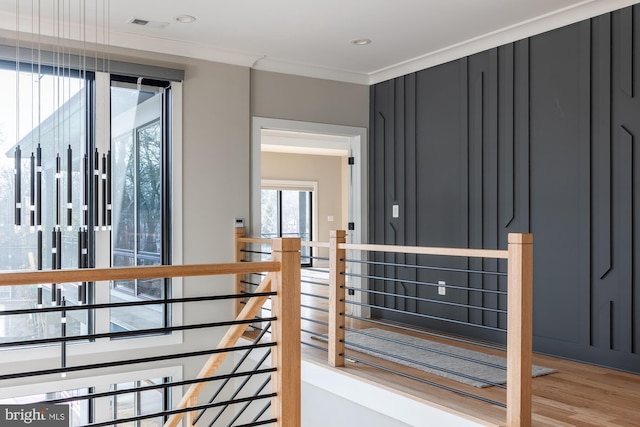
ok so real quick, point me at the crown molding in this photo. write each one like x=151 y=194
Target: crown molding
x=179 y=48
x=287 y=67
x=551 y=21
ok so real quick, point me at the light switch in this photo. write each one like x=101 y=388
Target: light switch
x=396 y=211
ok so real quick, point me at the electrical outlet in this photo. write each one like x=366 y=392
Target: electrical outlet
x=442 y=290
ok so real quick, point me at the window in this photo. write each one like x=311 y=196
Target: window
x=81 y=411
x=288 y=213
x=140 y=402
x=140 y=199
x=50 y=104
x=106 y=406
x=59 y=112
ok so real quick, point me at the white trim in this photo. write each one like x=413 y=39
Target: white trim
x=308 y=185
x=287 y=67
x=531 y=27
x=177 y=225
x=356 y=145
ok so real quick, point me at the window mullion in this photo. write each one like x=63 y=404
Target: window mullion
x=102 y=238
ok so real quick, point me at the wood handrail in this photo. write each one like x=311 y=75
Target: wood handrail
x=305 y=243
x=260 y=240
x=30 y=277
x=423 y=250
x=308 y=244
x=519 y=332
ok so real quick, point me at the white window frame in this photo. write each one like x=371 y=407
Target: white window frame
x=281 y=184
x=100 y=383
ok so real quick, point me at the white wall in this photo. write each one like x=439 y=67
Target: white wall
x=357 y=402
x=343 y=413
x=283 y=96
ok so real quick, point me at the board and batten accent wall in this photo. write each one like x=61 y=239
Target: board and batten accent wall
x=535 y=136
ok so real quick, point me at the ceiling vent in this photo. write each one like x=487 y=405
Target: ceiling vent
x=148 y=24
x=138 y=21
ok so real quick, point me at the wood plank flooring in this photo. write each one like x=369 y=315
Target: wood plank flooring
x=577 y=395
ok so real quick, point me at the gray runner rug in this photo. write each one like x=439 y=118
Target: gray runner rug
x=475 y=374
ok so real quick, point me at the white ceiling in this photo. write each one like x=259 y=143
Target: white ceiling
x=313 y=37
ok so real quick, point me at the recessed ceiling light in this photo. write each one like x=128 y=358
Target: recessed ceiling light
x=361 y=42
x=185 y=19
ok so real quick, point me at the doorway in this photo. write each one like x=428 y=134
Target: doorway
x=288 y=136
x=321 y=141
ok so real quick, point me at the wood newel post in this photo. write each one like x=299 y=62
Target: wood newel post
x=337 y=295
x=286 y=332
x=240 y=246
x=519 y=330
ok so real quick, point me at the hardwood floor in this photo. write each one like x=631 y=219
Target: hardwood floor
x=577 y=395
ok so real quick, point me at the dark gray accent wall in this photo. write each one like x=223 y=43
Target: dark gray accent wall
x=534 y=136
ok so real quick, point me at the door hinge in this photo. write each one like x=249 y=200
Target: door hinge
x=352 y=160
x=352 y=226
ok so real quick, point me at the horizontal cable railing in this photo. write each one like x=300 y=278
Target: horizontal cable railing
x=486 y=296
x=493 y=301
x=248 y=249
x=244 y=394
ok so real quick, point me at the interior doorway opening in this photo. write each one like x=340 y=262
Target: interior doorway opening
x=340 y=203
x=280 y=138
